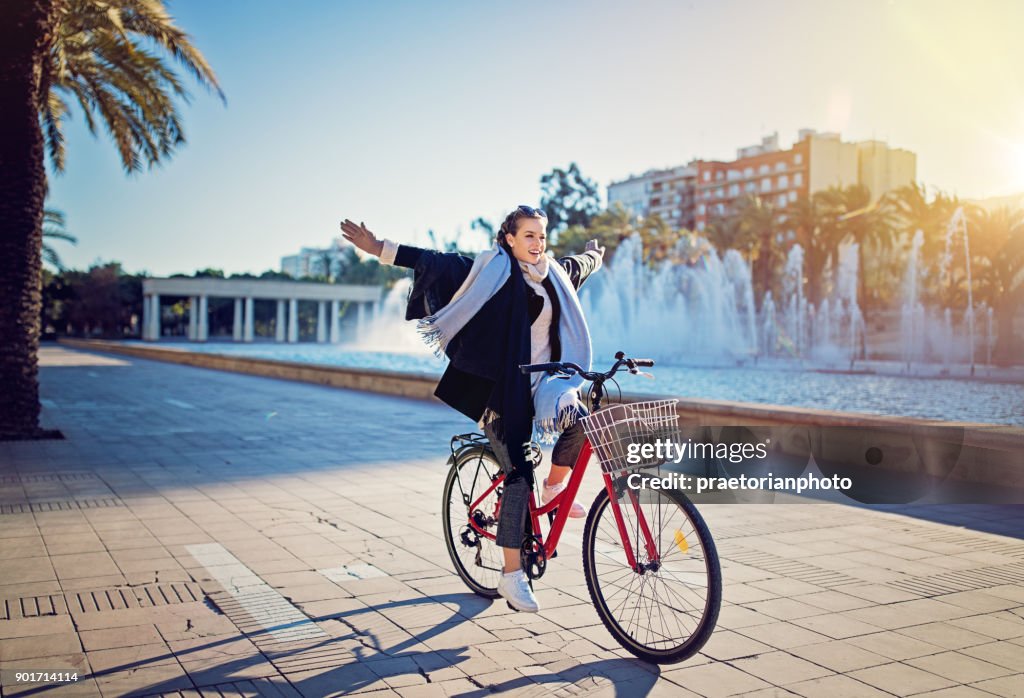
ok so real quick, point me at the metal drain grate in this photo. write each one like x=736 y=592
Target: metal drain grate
x=48 y=477
x=119 y=598
x=791 y=569
x=270 y=687
x=33 y=607
x=965 y=580
x=60 y=505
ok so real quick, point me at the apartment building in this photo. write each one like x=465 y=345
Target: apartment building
x=315 y=261
x=668 y=193
x=694 y=195
x=815 y=162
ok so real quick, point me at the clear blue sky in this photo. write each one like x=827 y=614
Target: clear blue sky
x=417 y=115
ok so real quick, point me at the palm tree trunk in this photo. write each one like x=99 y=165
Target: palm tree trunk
x=27 y=27
x=862 y=301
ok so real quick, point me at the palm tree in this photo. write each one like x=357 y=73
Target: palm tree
x=865 y=221
x=53 y=228
x=997 y=246
x=914 y=211
x=106 y=56
x=812 y=217
x=757 y=223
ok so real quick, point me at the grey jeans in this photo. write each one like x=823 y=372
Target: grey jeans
x=515 y=499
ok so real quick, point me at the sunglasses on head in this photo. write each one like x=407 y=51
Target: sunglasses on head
x=531 y=211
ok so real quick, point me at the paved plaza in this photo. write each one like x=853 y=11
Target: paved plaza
x=214 y=534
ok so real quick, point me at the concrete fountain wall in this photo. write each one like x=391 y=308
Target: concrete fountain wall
x=985 y=453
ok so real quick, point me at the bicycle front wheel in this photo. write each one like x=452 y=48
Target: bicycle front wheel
x=665 y=612
x=477 y=559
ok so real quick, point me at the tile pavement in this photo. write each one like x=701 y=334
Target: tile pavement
x=291 y=480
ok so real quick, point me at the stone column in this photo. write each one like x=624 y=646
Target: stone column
x=156 y=318
x=147 y=319
x=247 y=329
x=193 y=318
x=335 y=325
x=293 y=320
x=360 y=318
x=321 y=322
x=236 y=330
x=279 y=325
x=204 y=320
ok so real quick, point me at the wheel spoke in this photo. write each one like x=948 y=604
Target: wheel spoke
x=661 y=611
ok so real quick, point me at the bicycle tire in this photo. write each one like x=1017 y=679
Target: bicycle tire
x=481 y=573
x=602 y=582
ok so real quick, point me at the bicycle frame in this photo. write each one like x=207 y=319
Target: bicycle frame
x=566 y=497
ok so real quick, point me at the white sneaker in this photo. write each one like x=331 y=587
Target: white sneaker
x=514 y=587
x=575 y=512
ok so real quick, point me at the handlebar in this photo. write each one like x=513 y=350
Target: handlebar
x=570 y=369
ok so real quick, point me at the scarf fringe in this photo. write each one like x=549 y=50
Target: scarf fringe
x=432 y=336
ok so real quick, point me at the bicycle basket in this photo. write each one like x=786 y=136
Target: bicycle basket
x=617 y=433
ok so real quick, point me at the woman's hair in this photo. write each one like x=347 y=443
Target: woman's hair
x=508 y=226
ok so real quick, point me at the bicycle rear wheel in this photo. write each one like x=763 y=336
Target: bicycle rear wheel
x=661 y=615
x=477 y=559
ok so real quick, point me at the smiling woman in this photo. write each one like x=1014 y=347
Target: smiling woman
x=510 y=306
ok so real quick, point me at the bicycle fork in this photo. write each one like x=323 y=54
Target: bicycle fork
x=653 y=557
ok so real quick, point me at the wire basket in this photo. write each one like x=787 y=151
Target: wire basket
x=618 y=433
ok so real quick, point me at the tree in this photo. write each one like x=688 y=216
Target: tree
x=609 y=228
x=997 y=246
x=757 y=224
x=568 y=198
x=914 y=211
x=53 y=228
x=812 y=217
x=865 y=221
x=106 y=56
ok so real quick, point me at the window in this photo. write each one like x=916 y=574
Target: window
x=748 y=172
x=718 y=175
x=707 y=194
x=782 y=200
x=783 y=182
x=798 y=158
x=720 y=209
x=780 y=166
x=798 y=179
x=720 y=192
x=656 y=201
x=764 y=169
x=733 y=174
x=701 y=209
x=734 y=190
x=792 y=195
x=766 y=184
x=750 y=188
x=700 y=225
x=707 y=176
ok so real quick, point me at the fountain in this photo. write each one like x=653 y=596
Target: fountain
x=958 y=224
x=912 y=314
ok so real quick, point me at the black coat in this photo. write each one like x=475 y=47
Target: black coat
x=484 y=356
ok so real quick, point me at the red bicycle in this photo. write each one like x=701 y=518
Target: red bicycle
x=649 y=560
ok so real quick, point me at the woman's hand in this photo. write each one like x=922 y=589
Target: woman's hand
x=593 y=246
x=362 y=238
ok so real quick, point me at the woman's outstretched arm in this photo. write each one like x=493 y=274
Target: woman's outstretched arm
x=361 y=237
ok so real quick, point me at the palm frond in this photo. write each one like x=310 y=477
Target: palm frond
x=107 y=58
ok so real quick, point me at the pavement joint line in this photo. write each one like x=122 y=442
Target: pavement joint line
x=259 y=600
x=352 y=572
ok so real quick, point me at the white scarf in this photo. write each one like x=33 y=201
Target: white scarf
x=555 y=397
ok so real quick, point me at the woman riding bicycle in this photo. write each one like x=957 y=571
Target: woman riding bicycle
x=512 y=305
